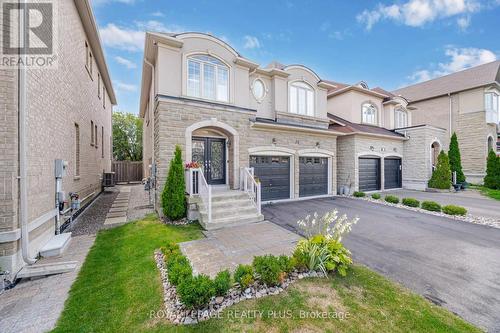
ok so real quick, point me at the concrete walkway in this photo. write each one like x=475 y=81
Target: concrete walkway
x=228 y=247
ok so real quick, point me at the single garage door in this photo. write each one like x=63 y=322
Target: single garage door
x=274 y=175
x=392 y=173
x=313 y=176
x=369 y=174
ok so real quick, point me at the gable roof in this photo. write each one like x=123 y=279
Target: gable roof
x=340 y=88
x=344 y=126
x=467 y=79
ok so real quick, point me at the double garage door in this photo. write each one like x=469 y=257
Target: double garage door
x=370 y=173
x=274 y=175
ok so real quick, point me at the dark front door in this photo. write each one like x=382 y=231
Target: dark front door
x=369 y=174
x=313 y=176
x=274 y=175
x=392 y=173
x=210 y=153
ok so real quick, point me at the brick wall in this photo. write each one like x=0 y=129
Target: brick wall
x=57 y=99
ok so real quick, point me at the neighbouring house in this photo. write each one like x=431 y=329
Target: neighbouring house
x=280 y=126
x=465 y=102
x=68 y=117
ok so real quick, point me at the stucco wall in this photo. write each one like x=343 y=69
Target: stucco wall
x=349 y=106
x=57 y=99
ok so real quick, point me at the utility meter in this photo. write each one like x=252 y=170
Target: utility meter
x=60 y=168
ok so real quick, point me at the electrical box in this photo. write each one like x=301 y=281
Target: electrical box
x=61 y=196
x=60 y=168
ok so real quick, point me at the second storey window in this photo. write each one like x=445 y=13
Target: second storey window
x=400 y=118
x=491 y=102
x=369 y=113
x=207 y=77
x=301 y=99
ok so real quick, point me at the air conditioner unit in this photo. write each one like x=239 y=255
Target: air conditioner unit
x=109 y=179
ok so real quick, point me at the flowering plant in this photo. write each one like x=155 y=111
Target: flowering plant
x=331 y=226
x=192 y=165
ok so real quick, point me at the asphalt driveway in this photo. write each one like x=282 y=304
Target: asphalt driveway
x=454 y=264
x=475 y=203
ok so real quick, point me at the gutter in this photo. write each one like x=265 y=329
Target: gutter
x=23 y=190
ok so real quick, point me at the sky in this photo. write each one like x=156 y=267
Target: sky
x=389 y=44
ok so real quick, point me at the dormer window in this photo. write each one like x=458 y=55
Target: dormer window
x=400 y=118
x=369 y=113
x=301 y=99
x=207 y=77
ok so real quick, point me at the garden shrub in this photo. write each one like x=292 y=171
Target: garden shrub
x=454 y=210
x=410 y=202
x=359 y=194
x=441 y=177
x=455 y=159
x=287 y=264
x=392 y=199
x=268 y=268
x=243 y=275
x=339 y=258
x=169 y=250
x=492 y=179
x=173 y=199
x=222 y=283
x=376 y=196
x=195 y=292
x=431 y=206
x=178 y=268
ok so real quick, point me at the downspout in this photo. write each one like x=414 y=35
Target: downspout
x=151 y=107
x=449 y=97
x=23 y=190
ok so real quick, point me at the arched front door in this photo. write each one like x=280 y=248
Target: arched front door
x=210 y=153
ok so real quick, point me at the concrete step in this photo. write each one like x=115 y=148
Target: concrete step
x=56 y=245
x=231 y=221
x=239 y=202
x=37 y=270
x=229 y=211
x=229 y=195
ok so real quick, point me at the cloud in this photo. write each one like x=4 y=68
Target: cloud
x=251 y=42
x=459 y=59
x=417 y=13
x=132 y=38
x=125 y=62
x=463 y=22
x=157 y=14
x=121 y=86
x=325 y=26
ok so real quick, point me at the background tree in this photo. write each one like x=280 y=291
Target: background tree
x=441 y=177
x=127 y=137
x=492 y=179
x=456 y=159
x=173 y=199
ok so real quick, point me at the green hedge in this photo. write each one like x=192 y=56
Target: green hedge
x=376 y=196
x=431 y=206
x=244 y=276
x=195 y=292
x=222 y=283
x=359 y=194
x=392 y=199
x=454 y=210
x=410 y=202
x=268 y=268
x=178 y=269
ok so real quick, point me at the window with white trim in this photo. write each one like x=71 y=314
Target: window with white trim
x=369 y=113
x=400 y=118
x=301 y=99
x=491 y=101
x=207 y=77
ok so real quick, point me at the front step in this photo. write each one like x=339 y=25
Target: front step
x=231 y=221
x=46 y=269
x=56 y=245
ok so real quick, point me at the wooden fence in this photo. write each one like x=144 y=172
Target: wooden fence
x=127 y=171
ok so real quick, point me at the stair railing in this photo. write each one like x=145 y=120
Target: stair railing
x=251 y=186
x=196 y=184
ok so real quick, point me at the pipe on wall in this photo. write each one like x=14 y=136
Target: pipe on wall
x=151 y=114
x=450 y=111
x=23 y=189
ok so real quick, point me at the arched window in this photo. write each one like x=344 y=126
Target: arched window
x=207 y=77
x=400 y=118
x=301 y=98
x=369 y=113
x=435 y=150
x=491 y=144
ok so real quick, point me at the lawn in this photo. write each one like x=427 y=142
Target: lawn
x=494 y=194
x=119 y=287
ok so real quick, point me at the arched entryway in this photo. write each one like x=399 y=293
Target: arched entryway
x=491 y=143
x=435 y=150
x=215 y=146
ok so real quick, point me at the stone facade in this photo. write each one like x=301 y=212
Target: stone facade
x=174 y=117
x=57 y=99
x=351 y=147
x=417 y=161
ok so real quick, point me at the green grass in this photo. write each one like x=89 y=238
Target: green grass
x=494 y=194
x=119 y=286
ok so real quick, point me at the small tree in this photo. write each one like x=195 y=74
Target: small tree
x=441 y=177
x=173 y=199
x=492 y=179
x=455 y=159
